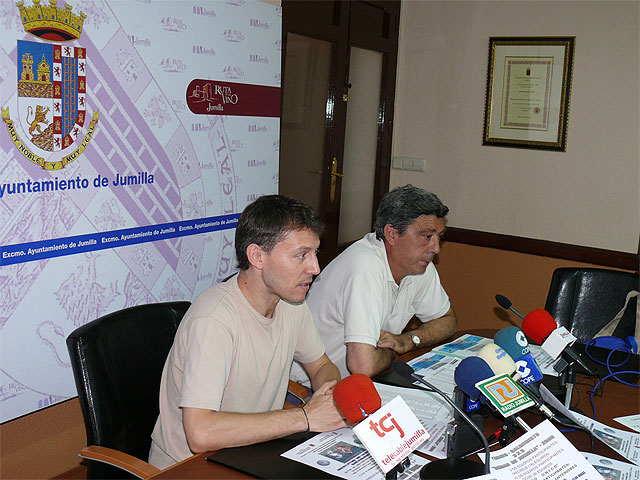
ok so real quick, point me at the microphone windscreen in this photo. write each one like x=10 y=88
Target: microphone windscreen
x=354 y=394
x=503 y=301
x=499 y=361
x=470 y=371
x=538 y=325
x=513 y=341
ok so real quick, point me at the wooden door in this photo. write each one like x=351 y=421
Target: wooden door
x=339 y=62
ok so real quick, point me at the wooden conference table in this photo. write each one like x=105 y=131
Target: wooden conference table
x=616 y=400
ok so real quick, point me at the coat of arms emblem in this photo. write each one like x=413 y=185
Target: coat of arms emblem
x=52 y=88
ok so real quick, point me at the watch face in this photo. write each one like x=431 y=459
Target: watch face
x=415 y=339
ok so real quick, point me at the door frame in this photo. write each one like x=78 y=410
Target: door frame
x=366 y=24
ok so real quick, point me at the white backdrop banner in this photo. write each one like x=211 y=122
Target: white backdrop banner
x=133 y=134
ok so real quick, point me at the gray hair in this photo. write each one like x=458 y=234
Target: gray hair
x=402 y=205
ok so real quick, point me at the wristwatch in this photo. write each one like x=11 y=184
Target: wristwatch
x=415 y=339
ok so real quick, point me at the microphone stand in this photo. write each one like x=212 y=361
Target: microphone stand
x=568 y=380
x=507 y=432
x=393 y=473
x=460 y=468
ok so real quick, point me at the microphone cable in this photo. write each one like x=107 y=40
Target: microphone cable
x=575 y=427
x=596 y=390
x=609 y=365
x=611 y=374
x=607 y=362
x=593 y=405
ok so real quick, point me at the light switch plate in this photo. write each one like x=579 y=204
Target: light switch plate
x=409 y=163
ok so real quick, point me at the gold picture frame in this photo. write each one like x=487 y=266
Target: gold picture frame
x=528 y=92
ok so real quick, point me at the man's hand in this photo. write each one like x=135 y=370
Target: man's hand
x=322 y=411
x=398 y=343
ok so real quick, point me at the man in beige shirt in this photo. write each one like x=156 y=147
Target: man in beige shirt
x=225 y=379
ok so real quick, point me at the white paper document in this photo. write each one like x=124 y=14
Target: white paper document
x=613 y=469
x=426 y=405
x=543 y=453
x=432 y=411
x=493 y=476
x=437 y=369
x=438 y=365
x=341 y=453
x=626 y=444
x=544 y=361
x=631 y=421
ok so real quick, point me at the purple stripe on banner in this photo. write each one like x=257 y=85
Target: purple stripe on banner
x=58 y=247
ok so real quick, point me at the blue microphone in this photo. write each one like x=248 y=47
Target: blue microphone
x=513 y=341
x=472 y=370
x=468 y=372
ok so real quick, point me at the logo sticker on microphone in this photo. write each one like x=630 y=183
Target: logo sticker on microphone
x=528 y=370
x=522 y=368
x=521 y=339
x=391 y=433
x=505 y=394
x=385 y=428
x=500 y=353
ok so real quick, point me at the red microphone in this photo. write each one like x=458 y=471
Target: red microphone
x=556 y=341
x=538 y=324
x=356 y=397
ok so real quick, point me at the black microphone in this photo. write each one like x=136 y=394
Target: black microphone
x=505 y=303
x=448 y=467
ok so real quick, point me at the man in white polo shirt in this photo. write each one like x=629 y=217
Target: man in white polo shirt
x=383 y=285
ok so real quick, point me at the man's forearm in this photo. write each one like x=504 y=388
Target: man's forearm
x=367 y=359
x=437 y=330
x=208 y=430
x=325 y=373
x=320 y=371
x=211 y=430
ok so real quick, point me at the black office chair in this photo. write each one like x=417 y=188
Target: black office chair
x=117 y=362
x=584 y=300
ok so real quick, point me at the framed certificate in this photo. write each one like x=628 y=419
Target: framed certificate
x=528 y=92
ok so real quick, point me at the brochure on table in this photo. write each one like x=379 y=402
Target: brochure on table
x=342 y=454
x=542 y=453
x=626 y=444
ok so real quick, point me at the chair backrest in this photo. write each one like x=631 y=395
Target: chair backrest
x=584 y=300
x=117 y=363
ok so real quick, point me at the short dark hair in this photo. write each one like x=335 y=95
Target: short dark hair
x=402 y=205
x=268 y=219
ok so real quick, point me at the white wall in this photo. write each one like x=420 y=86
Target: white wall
x=588 y=195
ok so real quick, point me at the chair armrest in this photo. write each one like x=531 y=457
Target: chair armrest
x=298 y=391
x=122 y=460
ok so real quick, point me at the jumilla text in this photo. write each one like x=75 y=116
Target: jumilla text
x=78 y=183
x=405 y=447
